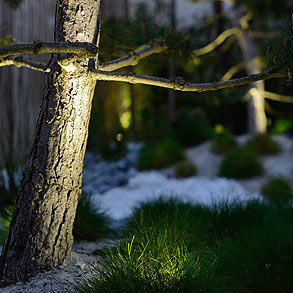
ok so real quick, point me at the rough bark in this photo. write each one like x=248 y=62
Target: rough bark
x=40 y=233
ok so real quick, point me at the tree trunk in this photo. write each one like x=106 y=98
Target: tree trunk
x=171 y=68
x=40 y=233
x=257 y=121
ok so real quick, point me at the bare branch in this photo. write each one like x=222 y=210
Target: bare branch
x=83 y=50
x=133 y=58
x=179 y=84
x=218 y=41
x=277 y=97
x=233 y=70
x=20 y=62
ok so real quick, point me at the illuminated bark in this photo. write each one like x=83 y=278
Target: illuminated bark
x=40 y=234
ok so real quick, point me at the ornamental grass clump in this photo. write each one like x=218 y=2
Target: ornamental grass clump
x=223 y=143
x=178 y=247
x=160 y=154
x=185 y=169
x=263 y=144
x=89 y=224
x=277 y=188
x=241 y=163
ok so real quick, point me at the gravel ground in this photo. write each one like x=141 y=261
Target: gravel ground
x=280 y=165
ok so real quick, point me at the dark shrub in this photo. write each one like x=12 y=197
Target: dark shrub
x=223 y=143
x=89 y=224
x=277 y=188
x=240 y=163
x=185 y=169
x=160 y=154
x=263 y=144
x=192 y=127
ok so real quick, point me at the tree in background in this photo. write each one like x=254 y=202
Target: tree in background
x=240 y=16
x=40 y=233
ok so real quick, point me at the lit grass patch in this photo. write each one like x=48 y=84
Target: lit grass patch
x=138 y=267
x=177 y=247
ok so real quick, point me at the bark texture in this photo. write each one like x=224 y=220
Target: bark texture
x=40 y=233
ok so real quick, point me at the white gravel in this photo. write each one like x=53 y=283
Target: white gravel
x=118 y=203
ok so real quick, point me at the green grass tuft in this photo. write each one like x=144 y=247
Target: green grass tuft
x=240 y=163
x=160 y=154
x=177 y=247
x=277 y=188
x=4 y=223
x=185 y=169
x=263 y=144
x=89 y=224
x=223 y=143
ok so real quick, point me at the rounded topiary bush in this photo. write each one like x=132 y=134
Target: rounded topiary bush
x=185 y=169
x=192 y=127
x=263 y=144
x=160 y=154
x=277 y=188
x=240 y=163
x=223 y=143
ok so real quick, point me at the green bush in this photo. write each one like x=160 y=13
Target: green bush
x=263 y=144
x=185 y=169
x=192 y=127
x=89 y=224
x=160 y=154
x=240 y=163
x=277 y=188
x=223 y=143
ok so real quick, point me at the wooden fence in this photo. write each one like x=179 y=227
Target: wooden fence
x=21 y=89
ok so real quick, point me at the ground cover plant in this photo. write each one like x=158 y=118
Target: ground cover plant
x=263 y=144
x=89 y=224
x=223 y=143
x=185 y=169
x=192 y=127
x=8 y=192
x=161 y=154
x=277 y=188
x=177 y=247
x=240 y=163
